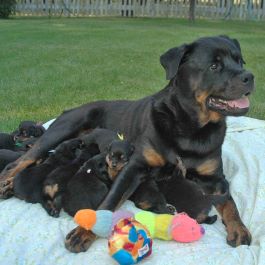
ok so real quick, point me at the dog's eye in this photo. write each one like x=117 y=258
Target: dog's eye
x=214 y=66
x=122 y=156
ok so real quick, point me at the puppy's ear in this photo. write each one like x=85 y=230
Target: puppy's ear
x=171 y=60
x=39 y=131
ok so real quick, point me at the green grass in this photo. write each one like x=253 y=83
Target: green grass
x=48 y=65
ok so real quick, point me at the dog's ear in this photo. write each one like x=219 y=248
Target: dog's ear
x=171 y=60
x=234 y=41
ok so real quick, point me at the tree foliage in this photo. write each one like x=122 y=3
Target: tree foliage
x=7 y=7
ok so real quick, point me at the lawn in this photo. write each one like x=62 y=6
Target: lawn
x=49 y=65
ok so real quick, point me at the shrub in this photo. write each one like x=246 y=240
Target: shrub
x=7 y=7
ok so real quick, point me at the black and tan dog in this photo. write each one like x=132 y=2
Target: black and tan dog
x=89 y=186
x=28 y=184
x=116 y=149
x=187 y=117
x=169 y=190
x=28 y=129
x=54 y=185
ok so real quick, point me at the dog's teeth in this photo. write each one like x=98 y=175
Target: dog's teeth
x=223 y=101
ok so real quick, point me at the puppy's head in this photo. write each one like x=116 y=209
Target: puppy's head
x=118 y=155
x=28 y=129
x=208 y=75
x=97 y=166
x=69 y=150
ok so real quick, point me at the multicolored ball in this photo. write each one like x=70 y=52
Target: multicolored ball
x=129 y=242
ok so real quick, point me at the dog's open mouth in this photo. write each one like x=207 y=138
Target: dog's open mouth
x=233 y=107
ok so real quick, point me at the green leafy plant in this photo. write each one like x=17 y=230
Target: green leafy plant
x=7 y=7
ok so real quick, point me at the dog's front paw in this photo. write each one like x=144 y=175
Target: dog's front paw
x=79 y=240
x=171 y=209
x=6 y=188
x=51 y=208
x=237 y=234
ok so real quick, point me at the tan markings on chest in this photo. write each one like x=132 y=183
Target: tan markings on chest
x=51 y=190
x=208 y=167
x=145 y=205
x=153 y=158
x=112 y=173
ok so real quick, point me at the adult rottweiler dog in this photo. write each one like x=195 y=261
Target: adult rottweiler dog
x=186 y=118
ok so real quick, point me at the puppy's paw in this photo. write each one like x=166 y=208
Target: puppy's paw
x=52 y=209
x=79 y=240
x=237 y=234
x=210 y=219
x=171 y=209
x=53 y=199
x=6 y=188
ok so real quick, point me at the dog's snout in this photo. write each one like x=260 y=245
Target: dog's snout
x=247 y=78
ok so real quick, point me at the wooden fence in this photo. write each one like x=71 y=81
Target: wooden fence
x=228 y=9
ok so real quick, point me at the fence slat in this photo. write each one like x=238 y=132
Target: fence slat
x=215 y=9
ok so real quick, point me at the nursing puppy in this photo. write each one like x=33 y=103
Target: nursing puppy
x=28 y=184
x=28 y=129
x=7 y=141
x=55 y=184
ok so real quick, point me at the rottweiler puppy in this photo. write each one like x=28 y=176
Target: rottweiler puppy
x=170 y=190
x=194 y=198
x=28 y=184
x=148 y=197
x=23 y=138
x=7 y=141
x=88 y=187
x=93 y=181
x=55 y=184
x=207 y=82
x=118 y=154
x=28 y=129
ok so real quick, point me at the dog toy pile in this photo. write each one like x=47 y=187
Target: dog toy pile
x=130 y=235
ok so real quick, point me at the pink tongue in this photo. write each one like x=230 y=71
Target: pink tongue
x=241 y=103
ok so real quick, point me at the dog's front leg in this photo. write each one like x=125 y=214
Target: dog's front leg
x=237 y=233
x=63 y=128
x=79 y=239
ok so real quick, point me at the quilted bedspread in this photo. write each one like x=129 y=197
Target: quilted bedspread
x=28 y=236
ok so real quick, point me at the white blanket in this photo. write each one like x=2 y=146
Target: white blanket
x=28 y=236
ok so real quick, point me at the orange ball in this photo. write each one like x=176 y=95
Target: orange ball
x=86 y=218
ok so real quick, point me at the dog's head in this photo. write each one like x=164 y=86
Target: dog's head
x=68 y=150
x=118 y=154
x=208 y=75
